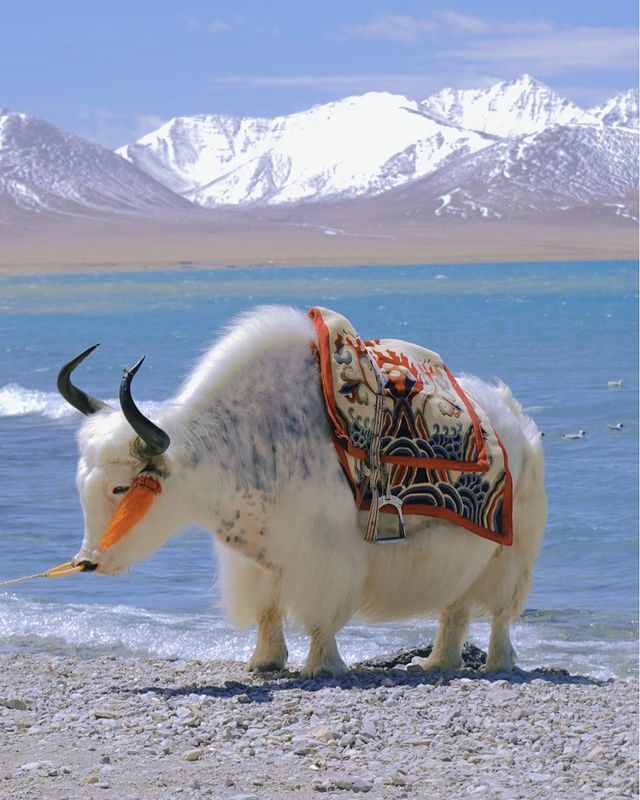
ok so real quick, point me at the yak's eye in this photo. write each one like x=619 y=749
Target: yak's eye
x=120 y=489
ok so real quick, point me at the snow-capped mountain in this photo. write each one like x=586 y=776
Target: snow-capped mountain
x=360 y=145
x=576 y=167
x=513 y=149
x=47 y=169
x=506 y=109
x=620 y=111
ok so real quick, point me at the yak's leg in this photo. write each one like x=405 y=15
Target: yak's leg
x=323 y=561
x=501 y=591
x=447 y=648
x=323 y=658
x=251 y=594
x=271 y=649
x=338 y=608
x=322 y=589
x=501 y=656
x=326 y=611
x=270 y=652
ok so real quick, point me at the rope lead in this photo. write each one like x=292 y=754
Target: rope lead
x=55 y=572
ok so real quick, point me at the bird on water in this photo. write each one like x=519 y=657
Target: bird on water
x=580 y=435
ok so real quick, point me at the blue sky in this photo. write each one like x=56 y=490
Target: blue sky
x=113 y=70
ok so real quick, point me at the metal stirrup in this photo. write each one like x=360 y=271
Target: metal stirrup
x=379 y=498
x=388 y=499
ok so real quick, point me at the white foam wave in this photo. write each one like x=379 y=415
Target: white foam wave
x=75 y=629
x=128 y=631
x=119 y=630
x=17 y=401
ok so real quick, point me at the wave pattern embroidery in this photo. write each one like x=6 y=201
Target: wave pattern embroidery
x=440 y=453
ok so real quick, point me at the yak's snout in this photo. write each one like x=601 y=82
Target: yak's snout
x=87 y=559
x=96 y=561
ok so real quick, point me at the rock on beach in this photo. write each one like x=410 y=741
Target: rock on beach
x=115 y=728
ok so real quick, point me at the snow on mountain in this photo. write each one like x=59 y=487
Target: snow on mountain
x=506 y=109
x=360 y=145
x=47 y=169
x=620 y=111
x=563 y=168
x=515 y=148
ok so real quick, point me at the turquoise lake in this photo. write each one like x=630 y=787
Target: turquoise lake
x=556 y=333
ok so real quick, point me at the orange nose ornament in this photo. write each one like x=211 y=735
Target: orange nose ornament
x=132 y=509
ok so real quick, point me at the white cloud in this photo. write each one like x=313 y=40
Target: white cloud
x=413 y=85
x=211 y=26
x=320 y=81
x=477 y=26
x=515 y=46
x=553 y=52
x=409 y=30
x=396 y=28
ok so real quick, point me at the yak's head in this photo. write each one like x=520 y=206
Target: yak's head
x=122 y=469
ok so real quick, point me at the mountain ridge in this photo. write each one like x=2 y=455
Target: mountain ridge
x=528 y=151
x=621 y=110
x=45 y=169
x=564 y=168
x=508 y=108
x=360 y=146
x=327 y=150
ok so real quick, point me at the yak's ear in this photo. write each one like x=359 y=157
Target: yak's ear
x=155 y=440
x=76 y=397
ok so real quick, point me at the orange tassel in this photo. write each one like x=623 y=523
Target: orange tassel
x=131 y=510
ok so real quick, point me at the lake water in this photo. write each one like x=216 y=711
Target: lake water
x=556 y=333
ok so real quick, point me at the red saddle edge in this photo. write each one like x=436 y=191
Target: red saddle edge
x=343 y=446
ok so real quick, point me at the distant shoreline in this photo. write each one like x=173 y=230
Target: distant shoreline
x=90 y=247
x=107 y=268
x=134 y=266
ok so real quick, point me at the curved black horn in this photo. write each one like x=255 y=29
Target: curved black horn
x=76 y=397
x=155 y=439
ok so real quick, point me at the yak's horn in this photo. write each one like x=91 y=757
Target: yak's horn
x=76 y=397
x=155 y=439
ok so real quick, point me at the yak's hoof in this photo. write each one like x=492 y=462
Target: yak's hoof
x=266 y=666
x=506 y=665
x=263 y=662
x=330 y=669
x=432 y=664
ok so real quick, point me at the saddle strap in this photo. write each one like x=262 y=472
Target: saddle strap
x=374 y=465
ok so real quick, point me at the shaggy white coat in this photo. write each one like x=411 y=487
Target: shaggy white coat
x=252 y=461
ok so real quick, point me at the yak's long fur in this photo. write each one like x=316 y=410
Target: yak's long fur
x=251 y=460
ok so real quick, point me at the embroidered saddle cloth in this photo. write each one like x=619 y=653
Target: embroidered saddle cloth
x=407 y=436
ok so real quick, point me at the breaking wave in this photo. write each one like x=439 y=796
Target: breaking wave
x=16 y=401
x=587 y=643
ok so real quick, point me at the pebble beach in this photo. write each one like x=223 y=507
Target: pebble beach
x=106 y=727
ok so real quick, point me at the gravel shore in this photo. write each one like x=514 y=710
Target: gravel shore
x=157 y=730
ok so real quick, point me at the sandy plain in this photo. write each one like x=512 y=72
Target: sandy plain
x=317 y=237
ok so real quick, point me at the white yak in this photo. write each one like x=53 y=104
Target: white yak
x=244 y=450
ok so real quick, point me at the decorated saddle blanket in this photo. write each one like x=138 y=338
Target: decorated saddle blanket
x=408 y=437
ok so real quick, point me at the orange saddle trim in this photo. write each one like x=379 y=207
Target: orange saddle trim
x=440 y=454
